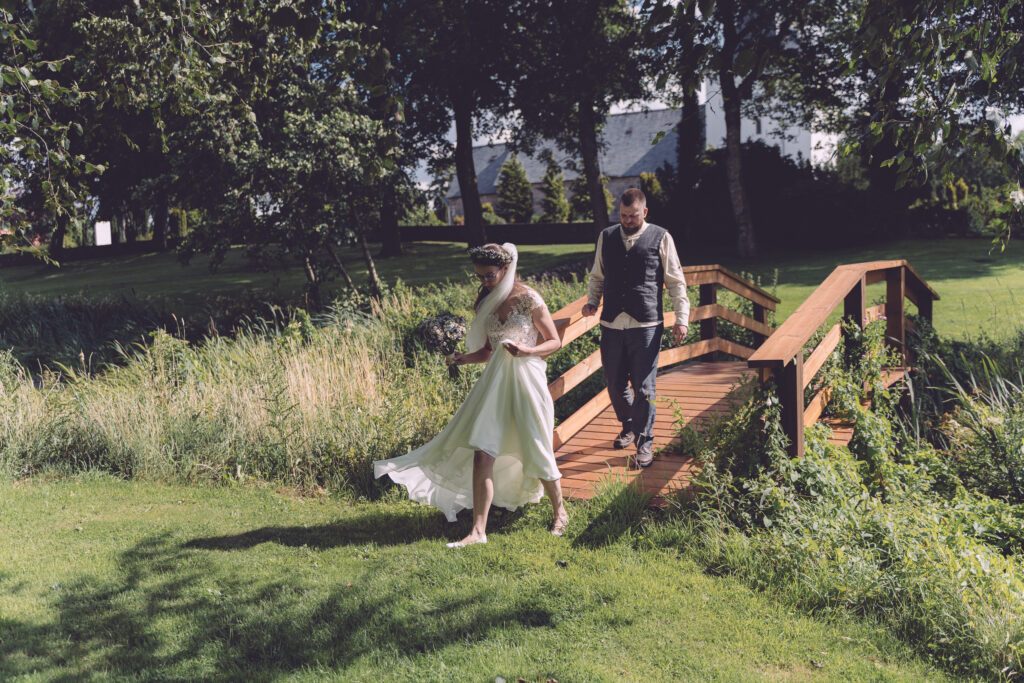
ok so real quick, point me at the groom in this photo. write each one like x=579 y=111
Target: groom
x=633 y=261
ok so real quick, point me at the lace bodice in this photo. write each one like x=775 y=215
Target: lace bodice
x=518 y=326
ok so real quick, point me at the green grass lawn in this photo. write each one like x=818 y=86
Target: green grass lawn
x=102 y=579
x=164 y=276
x=981 y=292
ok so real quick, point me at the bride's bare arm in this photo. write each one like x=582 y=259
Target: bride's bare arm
x=479 y=356
x=546 y=326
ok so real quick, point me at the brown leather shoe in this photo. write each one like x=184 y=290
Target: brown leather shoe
x=623 y=439
x=645 y=453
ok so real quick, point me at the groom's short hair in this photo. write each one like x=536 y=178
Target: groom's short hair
x=633 y=195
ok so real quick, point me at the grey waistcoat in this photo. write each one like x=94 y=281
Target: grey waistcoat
x=633 y=279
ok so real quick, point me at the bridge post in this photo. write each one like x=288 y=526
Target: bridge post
x=895 y=290
x=853 y=310
x=709 y=326
x=708 y=296
x=759 y=316
x=790 y=383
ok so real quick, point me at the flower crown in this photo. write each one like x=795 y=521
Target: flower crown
x=490 y=256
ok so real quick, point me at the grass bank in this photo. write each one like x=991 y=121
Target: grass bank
x=107 y=579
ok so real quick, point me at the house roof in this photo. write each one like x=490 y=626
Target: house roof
x=630 y=146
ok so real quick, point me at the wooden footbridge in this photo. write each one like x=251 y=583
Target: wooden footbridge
x=709 y=378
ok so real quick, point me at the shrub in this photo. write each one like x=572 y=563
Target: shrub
x=515 y=195
x=884 y=528
x=554 y=204
x=579 y=203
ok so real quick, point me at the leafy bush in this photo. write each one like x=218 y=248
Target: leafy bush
x=886 y=528
x=792 y=203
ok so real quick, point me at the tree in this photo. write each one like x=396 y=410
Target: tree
x=578 y=58
x=297 y=170
x=457 y=55
x=650 y=185
x=581 y=204
x=941 y=68
x=37 y=162
x=145 y=74
x=515 y=194
x=678 y=40
x=414 y=116
x=554 y=204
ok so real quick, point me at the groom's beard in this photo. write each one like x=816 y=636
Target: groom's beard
x=630 y=231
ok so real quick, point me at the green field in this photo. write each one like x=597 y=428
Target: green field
x=162 y=275
x=981 y=291
x=103 y=580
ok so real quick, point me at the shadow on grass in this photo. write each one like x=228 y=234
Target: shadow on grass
x=169 y=612
x=617 y=510
x=379 y=527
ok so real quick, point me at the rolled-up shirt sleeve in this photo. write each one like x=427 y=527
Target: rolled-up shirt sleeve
x=675 y=281
x=595 y=285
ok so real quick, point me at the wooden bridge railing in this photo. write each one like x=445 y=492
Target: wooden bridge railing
x=572 y=324
x=783 y=353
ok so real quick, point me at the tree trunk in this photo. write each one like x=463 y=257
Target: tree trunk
x=133 y=221
x=589 y=150
x=390 y=233
x=340 y=266
x=182 y=227
x=57 y=236
x=746 y=245
x=312 y=282
x=465 y=170
x=689 y=149
x=691 y=139
x=160 y=220
x=117 y=228
x=371 y=268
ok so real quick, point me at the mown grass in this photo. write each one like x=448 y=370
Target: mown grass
x=981 y=290
x=104 y=579
x=163 y=276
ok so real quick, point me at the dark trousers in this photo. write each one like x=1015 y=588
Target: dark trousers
x=630 y=360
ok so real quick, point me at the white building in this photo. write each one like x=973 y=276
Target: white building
x=640 y=142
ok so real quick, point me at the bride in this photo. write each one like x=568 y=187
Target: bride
x=498 y=446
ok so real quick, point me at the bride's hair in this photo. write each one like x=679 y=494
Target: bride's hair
x=490 y=254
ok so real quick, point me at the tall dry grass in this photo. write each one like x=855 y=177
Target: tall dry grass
x=310 y=403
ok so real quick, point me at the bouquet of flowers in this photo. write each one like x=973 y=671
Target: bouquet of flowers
x=442 y=334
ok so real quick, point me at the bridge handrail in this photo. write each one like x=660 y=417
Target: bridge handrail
x=791 y=336
x=782 y=354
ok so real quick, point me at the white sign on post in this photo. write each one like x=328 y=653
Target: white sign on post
x=102 y=233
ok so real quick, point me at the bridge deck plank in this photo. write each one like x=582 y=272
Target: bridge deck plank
x=700 y=391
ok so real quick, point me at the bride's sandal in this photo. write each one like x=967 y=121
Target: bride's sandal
x=560 y=524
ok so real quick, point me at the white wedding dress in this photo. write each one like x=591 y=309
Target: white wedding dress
x=507 y=414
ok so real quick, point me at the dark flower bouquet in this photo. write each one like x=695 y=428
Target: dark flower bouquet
x=442 y=334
